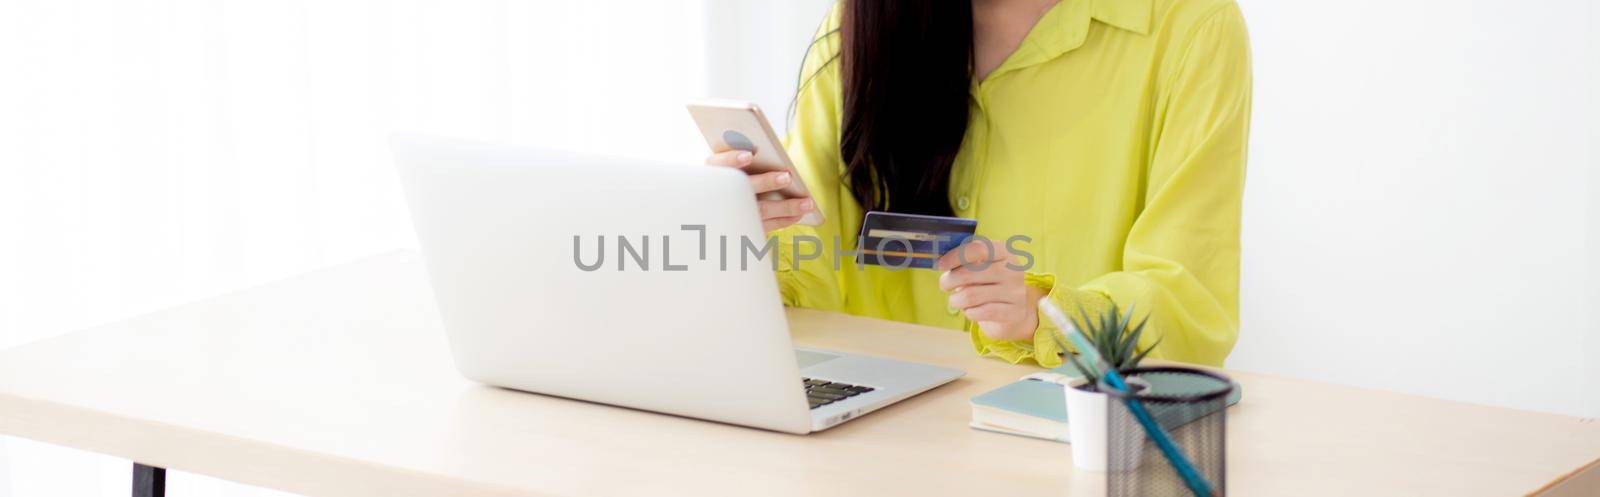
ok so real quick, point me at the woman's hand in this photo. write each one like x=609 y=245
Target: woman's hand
x=776 y=213
x=989 y=293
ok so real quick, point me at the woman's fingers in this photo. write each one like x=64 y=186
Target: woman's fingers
x=993 y=313
x=736 y=159
x=968 y=298
x=978 y=252
x=775 y=214
x=970 y=275
x=777 y=223
x=770 y=181
x=972 y=296
x=987 y=290
x=794 y=207
x=1000 y=320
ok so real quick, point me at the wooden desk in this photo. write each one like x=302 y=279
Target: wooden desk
x=338 y=383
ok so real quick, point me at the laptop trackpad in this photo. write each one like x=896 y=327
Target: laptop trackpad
x=808 y=358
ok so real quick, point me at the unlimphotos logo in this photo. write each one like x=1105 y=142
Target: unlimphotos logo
x=743 y=253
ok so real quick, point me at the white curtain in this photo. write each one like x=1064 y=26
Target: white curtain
x=154 y=152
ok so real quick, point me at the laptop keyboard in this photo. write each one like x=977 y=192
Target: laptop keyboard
x=823 y=392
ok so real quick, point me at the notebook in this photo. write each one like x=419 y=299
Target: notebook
x=1036 y=406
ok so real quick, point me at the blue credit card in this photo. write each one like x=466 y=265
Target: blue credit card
x=910 y=240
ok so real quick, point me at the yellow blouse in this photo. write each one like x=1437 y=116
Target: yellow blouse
x=1114 y=137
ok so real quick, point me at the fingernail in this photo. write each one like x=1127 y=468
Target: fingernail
x=744 y=157
x=805 y=205
x=783 y=179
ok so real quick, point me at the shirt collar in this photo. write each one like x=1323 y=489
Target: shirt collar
x=1066 y=25
x=1132 y=15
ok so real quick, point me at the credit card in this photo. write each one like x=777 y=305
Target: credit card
x=910 y=240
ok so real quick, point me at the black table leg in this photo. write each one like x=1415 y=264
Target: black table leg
x=149 y=481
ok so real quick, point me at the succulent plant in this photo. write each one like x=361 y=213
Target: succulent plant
x=1112 y=337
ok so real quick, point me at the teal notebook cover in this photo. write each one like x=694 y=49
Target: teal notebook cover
x=1047 y=400
x=1040 y=399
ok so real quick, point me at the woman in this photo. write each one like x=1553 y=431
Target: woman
x=1110 y=132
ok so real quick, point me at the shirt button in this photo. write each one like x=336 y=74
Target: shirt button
x=963 y=203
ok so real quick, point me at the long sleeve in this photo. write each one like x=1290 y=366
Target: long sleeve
x=813 y=146
x=1180 y=262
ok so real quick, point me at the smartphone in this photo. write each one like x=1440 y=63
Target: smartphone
x=734 y=125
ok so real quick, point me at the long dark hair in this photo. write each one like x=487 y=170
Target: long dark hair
x=907 y=68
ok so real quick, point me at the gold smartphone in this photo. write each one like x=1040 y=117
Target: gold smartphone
x=735 y=125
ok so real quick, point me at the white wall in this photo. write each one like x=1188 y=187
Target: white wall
x=754 y=50
x=1417 y=212
x=155 y=152
x=1417 y=215
x=1592 y=376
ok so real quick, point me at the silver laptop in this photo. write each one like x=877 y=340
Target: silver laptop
x=627 y=283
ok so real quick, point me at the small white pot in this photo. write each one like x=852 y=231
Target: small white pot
x=1086 y=425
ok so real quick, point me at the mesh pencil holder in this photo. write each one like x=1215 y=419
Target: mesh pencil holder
x=1190 y=404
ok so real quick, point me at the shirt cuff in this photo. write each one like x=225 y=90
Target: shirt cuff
x=1042 y=349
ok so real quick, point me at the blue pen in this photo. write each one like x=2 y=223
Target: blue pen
x=1180 y=463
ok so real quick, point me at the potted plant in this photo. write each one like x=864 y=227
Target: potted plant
x=1116 y=338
